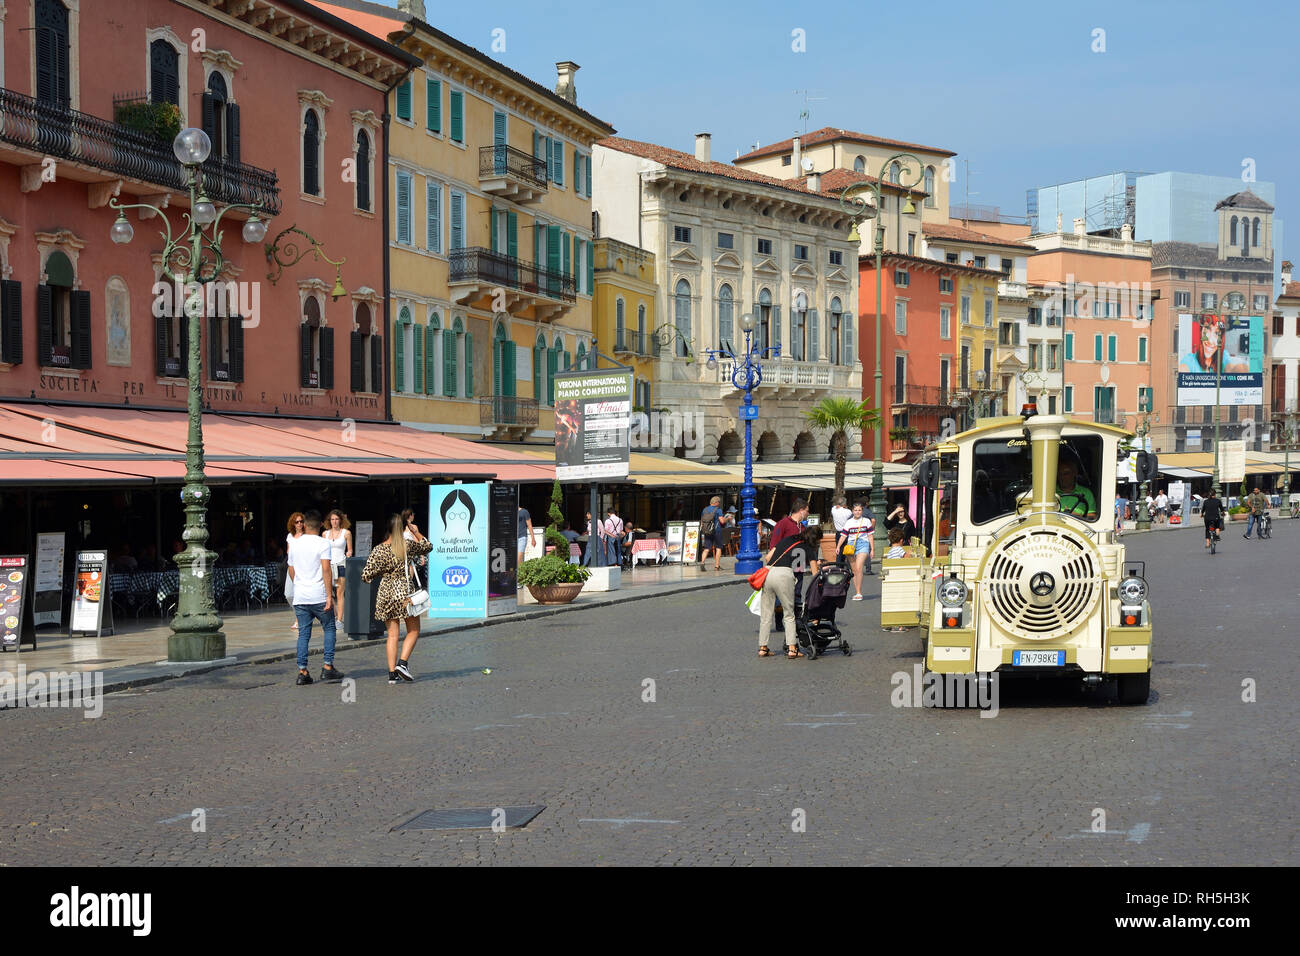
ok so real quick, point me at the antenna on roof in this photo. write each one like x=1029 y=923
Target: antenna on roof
x=807 y=111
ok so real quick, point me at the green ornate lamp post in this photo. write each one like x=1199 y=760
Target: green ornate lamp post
x=194 y=257
x=1144 y=489
x=1288 y=438
x=853 y=199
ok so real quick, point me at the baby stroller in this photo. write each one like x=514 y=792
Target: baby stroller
x=815 y=618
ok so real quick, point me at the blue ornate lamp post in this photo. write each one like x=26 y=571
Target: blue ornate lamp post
x=195 y=257
x=746 y=375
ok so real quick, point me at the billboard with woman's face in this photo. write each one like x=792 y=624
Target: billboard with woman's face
x=1222 y=350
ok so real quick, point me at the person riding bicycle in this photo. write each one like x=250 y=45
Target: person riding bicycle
x=1258 y=504
x=1212 y=512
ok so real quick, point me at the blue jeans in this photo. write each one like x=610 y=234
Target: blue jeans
x=589 y=559
x=1250 y=523
x=613 y=552
x=306 y=613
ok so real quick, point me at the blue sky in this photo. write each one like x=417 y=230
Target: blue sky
x=1015 y=87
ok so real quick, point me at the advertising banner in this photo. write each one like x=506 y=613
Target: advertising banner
x=458 y=564
x=13 y=589
x=1232 y=347
x=90 y=594
x=502 y=592
x=675 y=535
x=592 y=418
x=1232 y=462
x=47 y=600
x=691 y=542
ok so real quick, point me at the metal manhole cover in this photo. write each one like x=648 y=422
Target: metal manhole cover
x=472 y=818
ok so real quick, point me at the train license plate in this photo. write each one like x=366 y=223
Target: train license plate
x=1038 y=658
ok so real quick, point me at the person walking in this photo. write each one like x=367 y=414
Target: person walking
x=614 y=538
x=595 y=542
x=391 y=562
x=794 y=554
x=855 y=540
x=524 y=532
x=1162 y=506
x=714 y=531
x=296 y=526
x=840 y=513
x=789 y=526
x=1258 y=503
x=340 y=538
x=309 y=568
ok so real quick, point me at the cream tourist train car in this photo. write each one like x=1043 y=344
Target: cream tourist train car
x=1018 y=571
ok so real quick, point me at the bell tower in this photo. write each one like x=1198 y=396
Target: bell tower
x=1245 y=227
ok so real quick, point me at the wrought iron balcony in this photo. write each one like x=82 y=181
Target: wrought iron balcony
x=508 y=411
x=478 y=272
x=49 y=130
x=626 y=340
x=511 y=173
x=926 y=396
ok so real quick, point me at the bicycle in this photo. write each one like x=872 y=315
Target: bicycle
x=1295 y=509
x=1214 y=538
x=1265 y=521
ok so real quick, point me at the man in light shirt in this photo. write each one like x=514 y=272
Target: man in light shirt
x=840 y=513
x=313 y=588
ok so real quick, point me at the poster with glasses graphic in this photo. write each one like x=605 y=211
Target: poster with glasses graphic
x=1223 y=351
x=458 y=562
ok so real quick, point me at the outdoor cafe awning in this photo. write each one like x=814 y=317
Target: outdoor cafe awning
x=71 y=444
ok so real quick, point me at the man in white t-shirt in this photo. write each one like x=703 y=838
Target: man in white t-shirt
x=1162 y=506
x=313 y=589
x=840 y=513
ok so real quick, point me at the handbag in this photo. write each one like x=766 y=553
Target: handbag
x=758 y=577
x=417 y=601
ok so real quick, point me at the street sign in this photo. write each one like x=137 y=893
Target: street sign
x=748 y=413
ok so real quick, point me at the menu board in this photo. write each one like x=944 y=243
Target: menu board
x=674 y=538
x=13 y=588
x=90 y=594
x=503 y=505
x=363 y=537
x=691 y=543
x=47 y=598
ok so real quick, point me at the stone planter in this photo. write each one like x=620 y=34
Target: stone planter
x=828 y=546
x=1240 y=517
x=555 y=593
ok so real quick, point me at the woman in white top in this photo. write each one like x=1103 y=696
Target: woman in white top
x=340 y=539
x=297 y=528
x=857 y=532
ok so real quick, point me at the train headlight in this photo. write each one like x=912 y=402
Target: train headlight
x=953 y=593
x=1132 y=591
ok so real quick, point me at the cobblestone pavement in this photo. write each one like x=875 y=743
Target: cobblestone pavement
x=715 y=770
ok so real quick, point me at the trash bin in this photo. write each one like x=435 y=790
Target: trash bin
x=359 y=604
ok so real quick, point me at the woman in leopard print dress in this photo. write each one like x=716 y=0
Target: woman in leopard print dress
x=390 y=560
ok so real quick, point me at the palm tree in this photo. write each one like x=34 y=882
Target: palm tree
x=839 y=415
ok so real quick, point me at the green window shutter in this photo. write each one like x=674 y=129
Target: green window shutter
x=469 y=364
x=404 y=100
x=449 y=363
x=399 y=355
x=591 y=269
x=1142 y=349
x=498 y=357
x=492 y=229
x=539 y=351
x=1110 y=348
x=586 y=160
x=564 y=255
x=403 y=207
x=458 y=116
x=551 y=356
x=509 y=353
x=512 y=235
x=577 y=172
x=433 y=105
x=1096 y=348
x=1069 y=399
x=499 y=129
x=568 y=361
x=417 y=372
x=430 y=359
x=559 y=162
x=1069 y=347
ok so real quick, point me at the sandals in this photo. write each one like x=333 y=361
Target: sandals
x=792 y=651
x=765 y=652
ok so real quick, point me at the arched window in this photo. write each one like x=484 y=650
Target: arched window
x=640 y=329
x=214 y=112
x=893 y=171
x=620 y=335
x=834 y=339
x=1232 y=231
x=311 y=154
x=503 y=363
x=363 y=170
x=401 y=348
x=63 y=317
x=798 y=320
x=313 y=353
x=164 y=73
x=765 y=330
x=582 y=356
x=553 y=361
x=930 y=201
x=367 y=353
x=434 y=344
x=53 y=77
x=539 y=376
x=1255 y=240
x=726 y=314
x=682 y=315
x=860 y=165
x=451 y=346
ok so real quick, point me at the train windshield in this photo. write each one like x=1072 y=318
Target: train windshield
x=1003 y=473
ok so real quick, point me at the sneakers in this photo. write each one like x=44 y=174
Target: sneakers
x=304 y=678
x=393 y=678
x=329 y=674
x=404 y=671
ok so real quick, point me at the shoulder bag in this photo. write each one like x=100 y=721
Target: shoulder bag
x=758 y=577
x=417 y=601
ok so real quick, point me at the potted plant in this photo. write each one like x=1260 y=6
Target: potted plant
x=1238 y=513
x=555 y=542
x=160 y=120
x=552 y=580
x=838 y=416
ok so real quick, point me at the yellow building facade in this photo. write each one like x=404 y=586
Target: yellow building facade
x=491 y=269
x=977 y=324
x=624 y=312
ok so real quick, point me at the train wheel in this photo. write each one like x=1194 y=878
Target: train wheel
x=1134 y=688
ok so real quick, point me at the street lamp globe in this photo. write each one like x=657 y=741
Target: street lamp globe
x=121 y=231
x=748 y=322
x=192 y=147
x=254 y=230
x=711 y=364
x=204 y=212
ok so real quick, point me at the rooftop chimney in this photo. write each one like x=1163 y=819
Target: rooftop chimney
x=413 y=8
x=564 y=81
x=1286 y=272
x=798 y=155
x=702 y=141
x=1078 y=227
x=814 y=182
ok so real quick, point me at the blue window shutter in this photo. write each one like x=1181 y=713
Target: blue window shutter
x=403 y=207
x=499 y=129
x=433 y=215
x=512 y=235
x=404 y=100
x=433 y=105
x=776 y=325
x=577 y=172
x=559 y=162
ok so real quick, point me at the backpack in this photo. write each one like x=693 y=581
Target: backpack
x=709 y=524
